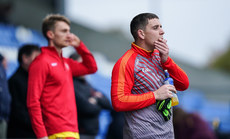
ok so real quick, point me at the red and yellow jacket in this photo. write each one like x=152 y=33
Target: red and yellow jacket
x=50 y=97
x=137 y=74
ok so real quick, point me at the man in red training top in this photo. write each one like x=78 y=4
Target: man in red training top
x=137 y=80
x=51 y=99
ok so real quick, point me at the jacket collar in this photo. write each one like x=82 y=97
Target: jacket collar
x=141 y=50
x=50 y=51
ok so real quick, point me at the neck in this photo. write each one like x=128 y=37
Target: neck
x=58 y=49
x=144 y=45
x=25 y=67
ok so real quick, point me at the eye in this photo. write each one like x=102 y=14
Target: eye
x=65 y=31
x=155 y=27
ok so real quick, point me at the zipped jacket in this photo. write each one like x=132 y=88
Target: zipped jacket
x=135 y=76
x=50 y=97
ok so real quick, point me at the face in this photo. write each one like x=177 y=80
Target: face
x=28 y=59
x=60 y=36
x=153 y=32
x=4 y=63
x=33 y=56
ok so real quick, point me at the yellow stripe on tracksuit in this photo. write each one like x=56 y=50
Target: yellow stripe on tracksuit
x=63 y=135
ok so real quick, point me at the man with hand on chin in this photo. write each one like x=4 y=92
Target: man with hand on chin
x=137 y=80
x=51 y=98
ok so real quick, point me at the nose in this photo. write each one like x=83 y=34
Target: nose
x=162 y=32
x=69 y=34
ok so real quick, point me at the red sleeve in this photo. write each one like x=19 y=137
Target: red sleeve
x=122 y=83
x=87 y=66
x=36 y=81
x=181 y=81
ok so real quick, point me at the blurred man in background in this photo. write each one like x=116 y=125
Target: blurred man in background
x=19 y=122
x=50 y=98
x=191 y=126
x=90 y=102
x=5 y=98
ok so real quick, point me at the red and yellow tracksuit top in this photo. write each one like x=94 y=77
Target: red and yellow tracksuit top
x=50 y=97
x=135 y=76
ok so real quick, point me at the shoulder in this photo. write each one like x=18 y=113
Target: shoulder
x=40 y=62
x=129 y=55
x=14 y=76
x=19 y=74
x=127 y=60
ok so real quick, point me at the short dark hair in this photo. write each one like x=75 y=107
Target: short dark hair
x=139 y=22
x=50 y=20
x=27 y=50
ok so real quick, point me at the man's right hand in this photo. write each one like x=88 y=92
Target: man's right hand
x=74 y=40
x=164 y=92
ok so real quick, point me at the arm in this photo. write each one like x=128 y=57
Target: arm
x=122 y=83
x=37 y=77
x=87 y=66
x=85 y=107
x=18 y=90
x=102 y=100
x=83 y=104
x=181 y=81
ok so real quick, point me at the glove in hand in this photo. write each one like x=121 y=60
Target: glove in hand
x=164 y=106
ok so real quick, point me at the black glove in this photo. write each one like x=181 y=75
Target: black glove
x=164 y=106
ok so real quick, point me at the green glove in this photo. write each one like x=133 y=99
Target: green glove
x=164 y=107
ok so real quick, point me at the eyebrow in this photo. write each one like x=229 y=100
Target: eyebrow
x=158 y=25
x=64 y=29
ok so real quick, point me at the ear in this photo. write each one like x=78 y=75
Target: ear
x=141 y=34
x=50 y=34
